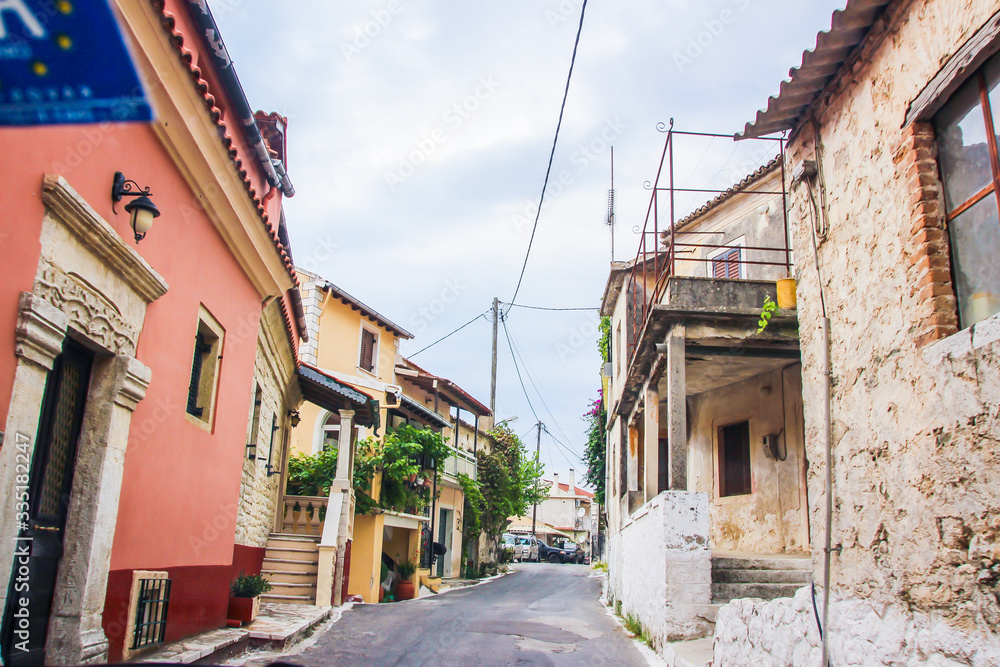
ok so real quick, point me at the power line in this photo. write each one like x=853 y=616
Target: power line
x=564 y=445
x=521 y=305
x=516 y=368
x=447 y=335
x=552 y=153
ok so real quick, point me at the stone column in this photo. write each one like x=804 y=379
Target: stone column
x=333 y=544
x=651 y=433
x=677 y=409
x=39 y=334
x=75 y=633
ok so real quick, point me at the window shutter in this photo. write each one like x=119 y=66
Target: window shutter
x=200 y=348
x=367 y=350
x=733 y=264
x=719 y=268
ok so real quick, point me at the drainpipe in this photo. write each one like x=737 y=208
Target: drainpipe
x=274 y=171
x=805 y=173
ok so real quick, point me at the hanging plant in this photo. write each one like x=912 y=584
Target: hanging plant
x=765 y=313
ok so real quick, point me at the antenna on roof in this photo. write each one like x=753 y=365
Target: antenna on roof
x=610 y=220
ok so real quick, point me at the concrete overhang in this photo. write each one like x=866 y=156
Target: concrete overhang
x=720 y=320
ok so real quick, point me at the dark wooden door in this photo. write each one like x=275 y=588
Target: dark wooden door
x=40 y=541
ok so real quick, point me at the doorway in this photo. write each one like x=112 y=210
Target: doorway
x=45 y=506
x=444 y=538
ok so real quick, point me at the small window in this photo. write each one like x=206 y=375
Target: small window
x=331 y=433
x=254 y=437
x=205 y=368
x=727 y=264
x=369 y=350
x=967 y=145
x=734 y=459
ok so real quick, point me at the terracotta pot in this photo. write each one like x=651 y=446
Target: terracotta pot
x=405 y=590
x=381 y=594
x=243 y=610
x=786 y=293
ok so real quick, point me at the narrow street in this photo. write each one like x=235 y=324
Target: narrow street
x=541 y=614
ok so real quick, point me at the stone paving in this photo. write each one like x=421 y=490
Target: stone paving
x=276 y=624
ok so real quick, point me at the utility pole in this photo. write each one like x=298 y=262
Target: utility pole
x=538 y=451
x=493 y=375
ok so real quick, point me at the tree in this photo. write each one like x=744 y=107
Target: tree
x=595 y=453
x=508 y=483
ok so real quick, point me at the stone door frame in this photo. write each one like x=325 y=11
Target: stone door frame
x=79 y=250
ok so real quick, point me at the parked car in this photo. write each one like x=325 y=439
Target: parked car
x=525 y=546
x=564 y=552
x=528 y=546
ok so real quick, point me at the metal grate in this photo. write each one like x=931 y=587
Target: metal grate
x=151 y=612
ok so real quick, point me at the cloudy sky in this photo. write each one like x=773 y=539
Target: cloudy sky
x=419 y=134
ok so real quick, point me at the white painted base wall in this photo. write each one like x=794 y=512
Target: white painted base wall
x=783 y=633
x=660 y=566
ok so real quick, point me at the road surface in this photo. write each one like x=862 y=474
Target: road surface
x=542 y=614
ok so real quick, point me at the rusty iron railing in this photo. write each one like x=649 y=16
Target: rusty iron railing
x=653 y=266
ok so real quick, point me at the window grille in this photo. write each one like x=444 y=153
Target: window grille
x=151 y=612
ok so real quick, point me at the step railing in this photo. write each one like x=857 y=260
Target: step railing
x=304 y=515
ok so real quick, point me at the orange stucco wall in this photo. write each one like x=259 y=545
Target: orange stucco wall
x=176 y=474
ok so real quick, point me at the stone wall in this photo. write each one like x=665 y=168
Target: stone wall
x=915 y=407
x=660 y=567
x=258 y=492
x=784 y=633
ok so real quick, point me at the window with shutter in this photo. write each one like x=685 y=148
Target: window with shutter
x=201 y=348
x=368 y=343
x=727 y=265
x=205 y=364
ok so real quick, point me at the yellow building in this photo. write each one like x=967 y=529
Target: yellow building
x=351 y=343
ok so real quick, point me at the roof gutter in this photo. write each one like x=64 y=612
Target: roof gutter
x=273 y=171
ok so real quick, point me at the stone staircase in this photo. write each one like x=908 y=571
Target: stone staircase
x=291 y=563
x=758 y=576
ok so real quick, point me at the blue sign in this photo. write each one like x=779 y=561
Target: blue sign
x=64 y=61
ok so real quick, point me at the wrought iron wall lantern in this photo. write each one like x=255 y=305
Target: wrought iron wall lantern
x=294 y=418
x=141 y=210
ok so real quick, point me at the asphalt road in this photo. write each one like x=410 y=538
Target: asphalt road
x=541 y=614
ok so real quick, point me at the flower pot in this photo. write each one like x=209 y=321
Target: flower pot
x=243 y=610
x=786 y=293
x=405 y=590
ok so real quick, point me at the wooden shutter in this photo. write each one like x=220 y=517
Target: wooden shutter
x=727 y=265
x=200 y=348
x=367 y=350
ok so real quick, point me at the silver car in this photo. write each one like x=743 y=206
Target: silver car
x=528 y=546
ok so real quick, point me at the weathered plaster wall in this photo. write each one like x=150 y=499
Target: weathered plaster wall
x=773 y=518
x=783 y=633
x=915 y=426
x=661 y=566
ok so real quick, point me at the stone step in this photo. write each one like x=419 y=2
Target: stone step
x=762 y=563
x=726 y=592
x=292 y=553
x=294 y=590
x=725 y=576
x=293 y=599
x=285 y=577
x=279 y=540
x=291 y=565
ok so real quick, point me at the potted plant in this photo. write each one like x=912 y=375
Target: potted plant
x=406 y=589
x=244 y=599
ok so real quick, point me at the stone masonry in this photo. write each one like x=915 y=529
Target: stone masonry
x=915 y=403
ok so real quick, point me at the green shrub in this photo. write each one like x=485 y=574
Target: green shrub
x=406 y=569
x=249 y=585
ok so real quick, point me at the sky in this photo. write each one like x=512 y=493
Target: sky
x=419 y=132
